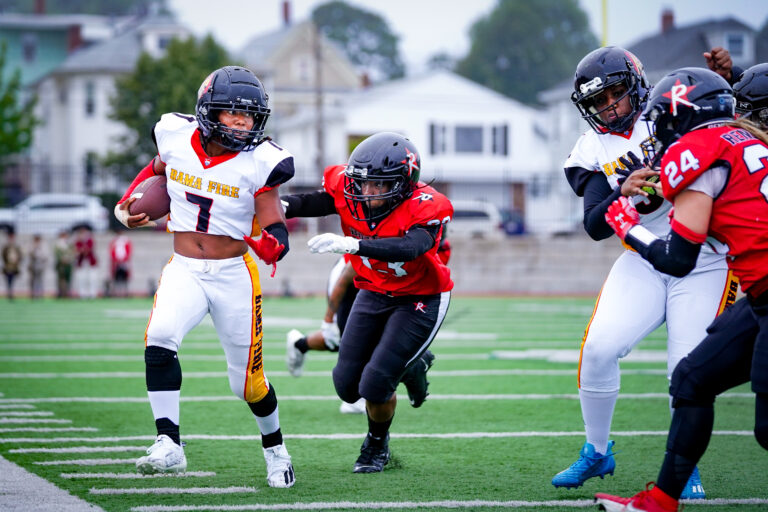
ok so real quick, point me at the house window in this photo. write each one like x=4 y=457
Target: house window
x=469 y=139
x=436 y=139
x=29 y=47
x=90 y=98
x=735 y=44
x=163 y=42
x=90 y=169
x=499 y=139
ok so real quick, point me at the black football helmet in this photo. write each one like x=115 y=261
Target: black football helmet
x=683 y=101
x=385 y=157
x=751 y=92
x=601 y=69
x=232 y=88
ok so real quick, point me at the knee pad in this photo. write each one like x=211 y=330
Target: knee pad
x=346 y=386
x=377 y=387
x=163 y=371
x=761 y=419
x=685 y=390
x=266 y=405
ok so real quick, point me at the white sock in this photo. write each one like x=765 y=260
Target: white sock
x=268 y=424
x=597 y=411
x=165 y=404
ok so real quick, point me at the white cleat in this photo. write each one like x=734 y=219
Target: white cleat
x=355 y=408
x=294 y=359
x=279 y=468
x=164 y=456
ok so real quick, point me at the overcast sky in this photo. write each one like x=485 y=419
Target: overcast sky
x=427 y=27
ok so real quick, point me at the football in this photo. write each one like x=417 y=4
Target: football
x=151 y=198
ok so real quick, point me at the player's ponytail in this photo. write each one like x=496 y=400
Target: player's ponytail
x=751 y=127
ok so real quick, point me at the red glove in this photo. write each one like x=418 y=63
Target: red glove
x=267 y=248
x=621 y=216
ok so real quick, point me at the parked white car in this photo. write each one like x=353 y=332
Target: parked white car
x=475 y=219
x=52 y=213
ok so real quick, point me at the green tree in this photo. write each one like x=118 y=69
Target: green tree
x=16 y=116
x=158 y=86
x=365 y=38
x=522 y=48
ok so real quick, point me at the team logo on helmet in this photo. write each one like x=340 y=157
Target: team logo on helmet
x=635 y=62
x=205 y=86
x=679 y=94
x=411 y=160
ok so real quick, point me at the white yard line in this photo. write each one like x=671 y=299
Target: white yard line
x=23 y=491
x=80 y=449
x=18 y=421
x=357 y=435
x=5 y=414
x=175 y=490
x=132 y=476
x=84 y=462
x=15 y=406
x=419 y=505
x=47 y=429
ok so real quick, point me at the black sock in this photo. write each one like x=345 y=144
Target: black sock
x=689 y=436
x=273 y=439
x=302 y=345
x=168 y=428
x=378 y=431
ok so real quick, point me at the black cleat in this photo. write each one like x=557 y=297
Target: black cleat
x=415 y=379
x=374 y=455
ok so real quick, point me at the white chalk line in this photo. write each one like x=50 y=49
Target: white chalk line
x=18 y=421
x=47 y=429
x=137 y=476
x=333 y=398
x=5 y=414
x=15 y=406
x=219 y=375
x=175 y=490
x=196 y=357
x=420 y=505
x=84 y=462
x=357 y=435
x=80 y=449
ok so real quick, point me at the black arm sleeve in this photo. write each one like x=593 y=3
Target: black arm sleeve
x=313 y=204
x=279 y=231
x=417 y=241
x=673 y=255
x=598 y=196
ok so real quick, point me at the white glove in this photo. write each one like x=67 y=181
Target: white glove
x=331 y=242
x=331 y=335
x=122 y=214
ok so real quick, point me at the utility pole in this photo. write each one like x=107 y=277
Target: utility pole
x=319 y=132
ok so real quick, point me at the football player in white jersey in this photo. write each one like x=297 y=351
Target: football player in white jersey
x=223 y=177
x=610 y=91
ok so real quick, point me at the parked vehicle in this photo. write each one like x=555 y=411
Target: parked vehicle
x=474 y=219
x=53 y=213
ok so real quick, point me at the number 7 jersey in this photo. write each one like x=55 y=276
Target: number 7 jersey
x=215 y=195
x=739 y=215
x=425 y=275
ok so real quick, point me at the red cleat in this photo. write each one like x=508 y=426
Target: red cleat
x=649 y=500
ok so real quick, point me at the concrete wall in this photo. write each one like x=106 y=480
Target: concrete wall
x=573 y=265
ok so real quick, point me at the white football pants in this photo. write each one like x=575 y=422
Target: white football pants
x=229 y=290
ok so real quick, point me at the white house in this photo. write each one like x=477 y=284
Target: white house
x=74 y=107
x=475 y=143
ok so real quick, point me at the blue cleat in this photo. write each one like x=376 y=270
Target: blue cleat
x=589 y=465
x=693 y=489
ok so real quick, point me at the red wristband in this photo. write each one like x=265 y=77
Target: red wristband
x=687 y=233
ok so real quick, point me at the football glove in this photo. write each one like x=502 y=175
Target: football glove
x=331 y=335
x=622 y=216
x=267 y=248
x=331 y=242
x=630 y=165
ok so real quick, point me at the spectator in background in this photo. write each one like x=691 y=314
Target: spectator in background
x=86 y=277
x=11 y=262
x=64 y=257
x=120 y=251
x=38 y=261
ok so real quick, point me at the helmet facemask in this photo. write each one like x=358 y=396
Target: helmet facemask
x=361 y=205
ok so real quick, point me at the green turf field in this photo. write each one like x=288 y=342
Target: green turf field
x=502 y=418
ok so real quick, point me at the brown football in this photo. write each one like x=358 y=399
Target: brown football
x=152 y=198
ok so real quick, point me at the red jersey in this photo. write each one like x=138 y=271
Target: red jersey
x=424 y=275
x=740 y=213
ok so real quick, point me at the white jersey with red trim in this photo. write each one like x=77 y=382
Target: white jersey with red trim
x=601 y=152
x=215 y=195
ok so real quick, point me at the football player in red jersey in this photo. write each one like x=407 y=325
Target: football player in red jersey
x=714 y=171
x=392 y=227
x=222 y=177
